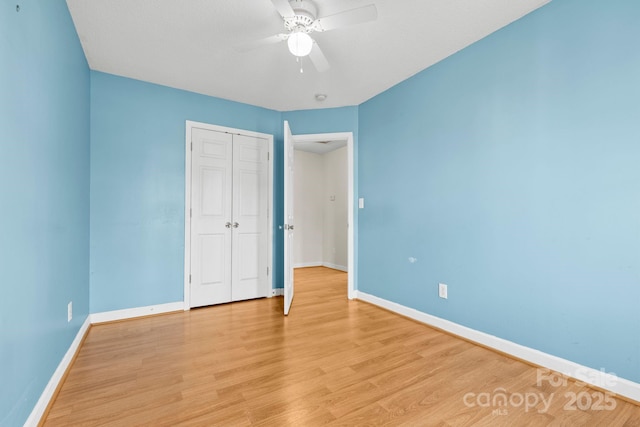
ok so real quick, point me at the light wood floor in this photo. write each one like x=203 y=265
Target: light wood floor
x=331 y=361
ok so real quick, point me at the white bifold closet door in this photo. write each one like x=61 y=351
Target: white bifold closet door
x=229 y=215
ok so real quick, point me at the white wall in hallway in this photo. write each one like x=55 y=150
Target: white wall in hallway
x=308 y=194
x=335 y=209
x=320 y=203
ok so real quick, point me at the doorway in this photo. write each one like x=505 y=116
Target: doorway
x=320 y=204
x=344 y=138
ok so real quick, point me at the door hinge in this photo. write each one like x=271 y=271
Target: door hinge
x=190 y=213
x=192 y=146
x=268 y=156
x=267 y=271
x=189 y=278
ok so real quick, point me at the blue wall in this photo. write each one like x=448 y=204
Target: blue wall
x=44 y=198
x=511 y=172
x=137 y=185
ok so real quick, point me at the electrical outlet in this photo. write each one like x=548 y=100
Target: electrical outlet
x=69 y=311
x=442 y=290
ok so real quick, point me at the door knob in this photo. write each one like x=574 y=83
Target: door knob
x=236 y=225
x=228 y=225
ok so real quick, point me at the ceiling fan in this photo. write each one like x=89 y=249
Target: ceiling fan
x=300 y=20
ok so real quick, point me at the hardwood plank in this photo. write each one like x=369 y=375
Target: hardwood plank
x=330 y=362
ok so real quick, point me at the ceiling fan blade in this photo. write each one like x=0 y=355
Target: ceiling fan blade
x=255 y=44
x=349 y=17
x=284 y=8
x=318 y=59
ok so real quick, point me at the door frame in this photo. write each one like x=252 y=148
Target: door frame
x=190 y=125
x=341 y=136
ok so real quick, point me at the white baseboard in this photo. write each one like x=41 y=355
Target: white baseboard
x=277 y=292
x=307 y=264
x=130 y=313
x=320 y=264
x=52 y=385
x=600 y=379
x=108 y=316
x=335 y=266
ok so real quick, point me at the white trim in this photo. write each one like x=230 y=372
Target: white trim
x=335 y=266
x=271 y=220
x=130 y=313
x=320 y=264
x=189 y=125
x=618 y=386
x=348 y=136
x=277 y=292
x=48 y=392
x=351 y=256
x=308 y=264
x=187 y=217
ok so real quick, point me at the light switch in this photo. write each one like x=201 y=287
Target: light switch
x=361 y=203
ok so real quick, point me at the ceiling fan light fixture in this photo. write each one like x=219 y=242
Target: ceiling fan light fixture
x=300 y=44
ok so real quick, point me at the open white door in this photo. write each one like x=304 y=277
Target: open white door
x=288 y=218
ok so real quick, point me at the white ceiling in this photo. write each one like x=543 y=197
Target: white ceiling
x=319 y=147
x=191 y=45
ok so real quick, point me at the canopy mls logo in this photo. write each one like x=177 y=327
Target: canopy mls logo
x=501 y=401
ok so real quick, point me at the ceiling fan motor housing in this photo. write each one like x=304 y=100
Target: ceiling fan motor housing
x=305 y=14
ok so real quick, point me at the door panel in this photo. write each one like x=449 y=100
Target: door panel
x=248 y=186
x=247 y=284
x=211 y=210
x=212 y=246
x=213 y=191
x=250 y=219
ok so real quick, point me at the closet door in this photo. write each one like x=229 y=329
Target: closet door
x=250 y=216
x=211 y=205
x=229 y=217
